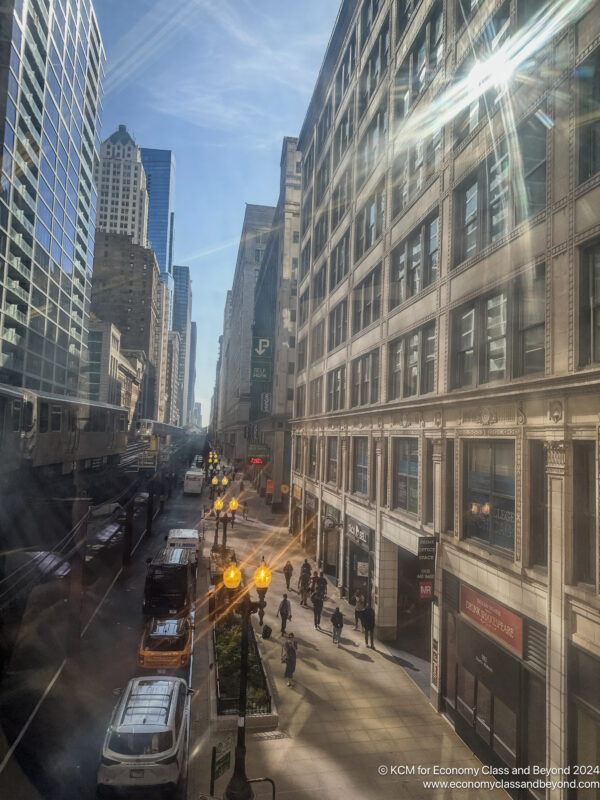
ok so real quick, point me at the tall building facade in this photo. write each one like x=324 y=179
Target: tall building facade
x=182 y=322
x=192 y=375
x=127 y=292
x=446 y=432
x=173 y=387
x=113 y=378
x=159 y=166
x=121 y=181
x=275 y=300
x=51 y=70
x=234 y=399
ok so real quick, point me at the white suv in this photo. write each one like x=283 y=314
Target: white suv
x=146 y=741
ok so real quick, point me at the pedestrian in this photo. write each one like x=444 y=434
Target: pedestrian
x=288 y=656
x=337 y=620
x=322 y=584
x=305 y=568
x=317 y=601
x=241 y=486
x=304 y=589
x=285 y=612
x=313 y=581
x=287 y=571
x=359 y=607
x=368 y=621
x=245 y=510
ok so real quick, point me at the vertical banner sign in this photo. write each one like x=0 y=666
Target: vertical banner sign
x=261 y=365
x=269 y=487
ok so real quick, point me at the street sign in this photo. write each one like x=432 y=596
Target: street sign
x=261 y=365
x=262 y=346
x=258 y=450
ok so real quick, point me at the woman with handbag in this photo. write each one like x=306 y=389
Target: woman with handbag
x=288 y=656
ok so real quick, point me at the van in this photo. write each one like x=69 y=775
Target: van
x=193 y=482
x=146 y=742
x=186 y=538
x=170 y=587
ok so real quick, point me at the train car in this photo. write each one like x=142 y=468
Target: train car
x=39 y=429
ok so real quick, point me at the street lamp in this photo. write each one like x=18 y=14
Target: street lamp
x=218 y=507
x=239 y=787
x=224 y=481
x=233 y=506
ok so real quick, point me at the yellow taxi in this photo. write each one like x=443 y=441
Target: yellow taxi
x=166 y=644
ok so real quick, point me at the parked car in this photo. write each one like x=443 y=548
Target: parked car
x=146 y=742
x=166 y=644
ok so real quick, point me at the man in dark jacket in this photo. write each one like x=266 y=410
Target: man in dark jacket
x=285 y=612
x=322 y=584
x=317 y=601
x=368 y=621
x=305 y=568
x=337 y=621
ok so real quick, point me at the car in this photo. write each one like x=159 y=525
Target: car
x=146 y=742
x=166 y=644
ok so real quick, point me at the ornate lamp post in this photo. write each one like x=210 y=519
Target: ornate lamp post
x=218 y=507
x=233 y=506
x=239 y=787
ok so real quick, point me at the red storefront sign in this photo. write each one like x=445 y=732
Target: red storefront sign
x=493 y=618
x=269 y=487
x=425 y=590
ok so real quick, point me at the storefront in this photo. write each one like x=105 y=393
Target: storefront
x=493 y=693
x=414 y=597
x=584 y=714
x=359 y=567
x=330 y=541
x=309 y=537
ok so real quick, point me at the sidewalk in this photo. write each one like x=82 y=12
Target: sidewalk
x=353 y=710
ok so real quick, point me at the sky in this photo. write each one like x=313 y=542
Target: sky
x=220 y=83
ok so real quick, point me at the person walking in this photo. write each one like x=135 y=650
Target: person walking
x=359 y=607
x=304 y=589
x=317 y=601
x=337 y=620
x=287 y=571
x=304 y=570
x=285 y=612
x=288 y=655
x=322 y=584
x=245 y=510
x=313 y=581
x=368 y=621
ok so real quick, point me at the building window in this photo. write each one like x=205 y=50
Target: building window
x=405 y=460
x=368 y=16
x=305 y=261
x=412 y=364
x=339 y=262
x=308 y=166
x=414 y=263
x=366 y=299
x=489 y=492
x=499 y=194
x=344 y=133
x=324 y=125
x=373 y=143
x=369 y=222
x=589 y=306
x=317 y=342
x=589 y=114
x=365 y=379
x=538 y=505
x=338 y=325
x=360 y=465
x=501 y=335
x=298 y=454
x=312 y=457
x=323 y=175
x=341 y=198
x=345 y=70
x=332 y=457
x=584 y=512
x=296 y=237
x=421 y=62
x=336 y=389
x=319 y=286
x=303 y=308
x=316 y=396
x=306 y=213
x=375 y=67
x=300 y=400
x=321 y=233
x=301 y=355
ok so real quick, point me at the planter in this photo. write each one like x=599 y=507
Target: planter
x=227 y=635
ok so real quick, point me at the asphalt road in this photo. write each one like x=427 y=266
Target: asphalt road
x=58 y=756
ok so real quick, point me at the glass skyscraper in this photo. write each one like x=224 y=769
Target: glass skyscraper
x=159 y=166
x=51 y=70
x=182 y=322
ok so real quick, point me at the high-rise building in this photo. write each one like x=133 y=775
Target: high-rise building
x=159 y=166
x=121 y=181
x=113 y=378
x=182 y=322
x=234 y=399
x=173 y=387
x=272 y=383
x=446 y=445
x=127 y=291
x=192 y=375
x=51 y=68
x=197 y=419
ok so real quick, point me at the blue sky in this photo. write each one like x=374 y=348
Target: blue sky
x=220 y=83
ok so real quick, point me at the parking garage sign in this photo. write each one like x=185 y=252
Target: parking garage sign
x=261 y=366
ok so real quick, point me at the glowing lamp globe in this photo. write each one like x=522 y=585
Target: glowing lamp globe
x=232 y=576
x=218 y=504
x=485 y=508
x=262 y=576
x=214 y=481
x=233 y=504
x=224 y=481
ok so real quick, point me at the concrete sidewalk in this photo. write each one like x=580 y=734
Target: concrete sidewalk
x=353 y=713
